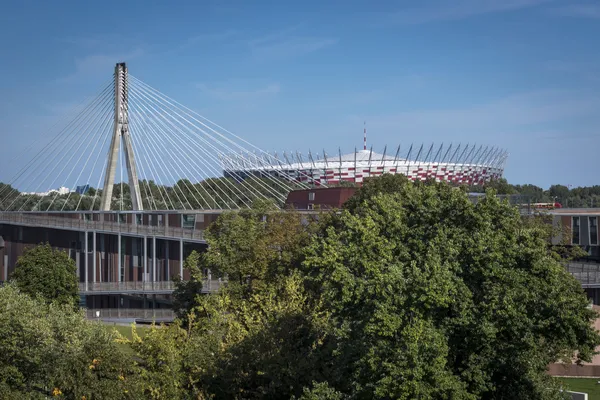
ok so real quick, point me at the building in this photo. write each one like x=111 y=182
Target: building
x=319 y=198
x=82 y=189
x=467 y=165
x=124 y=260
x=579 y=227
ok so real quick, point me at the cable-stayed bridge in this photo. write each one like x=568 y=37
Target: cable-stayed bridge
x=133 y=178
x=147 y=174
x=170 y=156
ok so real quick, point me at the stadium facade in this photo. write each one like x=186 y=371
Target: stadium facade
x=473 y=165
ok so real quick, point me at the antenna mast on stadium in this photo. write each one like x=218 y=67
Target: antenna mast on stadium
x=365 y=136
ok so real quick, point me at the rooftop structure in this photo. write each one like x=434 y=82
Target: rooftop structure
x=468 y=164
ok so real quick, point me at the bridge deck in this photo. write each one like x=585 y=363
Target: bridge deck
x=55 y=221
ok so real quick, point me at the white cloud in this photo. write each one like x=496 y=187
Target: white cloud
x=206 y=38
x=230 y=92
x=286 y=44
x=510 y=116
x=455 y=10
x=578 y=10
x=99 y=64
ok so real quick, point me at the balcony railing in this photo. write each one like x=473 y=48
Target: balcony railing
x=164 y=314
x=208 y=286
x=588 y=274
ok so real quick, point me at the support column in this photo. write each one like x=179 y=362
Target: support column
x=167 y=264
x=181 y=259
x=119 y=257
x=153 y=258
x=145 y=239
x=85 y=261
x=121 y=131
x=94 y=257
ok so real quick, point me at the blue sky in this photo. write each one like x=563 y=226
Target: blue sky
x=520 y=74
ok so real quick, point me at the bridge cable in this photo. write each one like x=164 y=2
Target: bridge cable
x=60 y=146
x=181 y=106
x=276 y=194
x=184 y=164
x=55 y=143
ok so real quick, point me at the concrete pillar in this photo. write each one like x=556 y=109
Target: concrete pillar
x=181 y=259
x=5 y=267
x=94 y=256
x=145 y=239
x=85 y=261
x=121 y=131
x=153 y=258
x=119 y=257
x=167 y=265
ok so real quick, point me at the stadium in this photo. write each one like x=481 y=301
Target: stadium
x=470 y=164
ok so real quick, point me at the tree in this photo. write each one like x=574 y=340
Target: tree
x=258 y=244
x=266 y=345
x=51 y=349
x=186 y=292
x=51 y=274
x=432 y=296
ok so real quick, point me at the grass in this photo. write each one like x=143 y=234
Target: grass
x=125 y=330
x=585 y=385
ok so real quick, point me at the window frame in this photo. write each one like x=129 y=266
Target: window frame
x=595 y=218
x=578 y=230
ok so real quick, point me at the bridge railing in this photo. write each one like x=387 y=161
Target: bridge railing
x=157 y=313
x=52 y=221
x=208 y=286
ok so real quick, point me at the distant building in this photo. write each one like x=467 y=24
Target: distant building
x=82 y=189
x=466 y=165
x=319 y=198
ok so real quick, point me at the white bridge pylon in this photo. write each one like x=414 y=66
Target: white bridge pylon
x=173 y=159
x=121 y=131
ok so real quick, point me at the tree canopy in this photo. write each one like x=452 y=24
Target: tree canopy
x=411 y=291
x=49 y=273
x=51 y=350
x=435 y=297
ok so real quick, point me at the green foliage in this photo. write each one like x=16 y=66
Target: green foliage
x=410 y=292
x=434 y=297
x=51 y=346
x=186 y=292
x=49 y=273
x=257 y=245
x=266 y=345
x=321 y=391
x=212 y=193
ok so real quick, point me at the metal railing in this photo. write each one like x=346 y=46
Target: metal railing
x=52 y=221
x=138 y=313
x=208 y=286
x=588 y=274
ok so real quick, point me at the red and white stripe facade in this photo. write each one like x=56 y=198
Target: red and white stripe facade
x=473 y=165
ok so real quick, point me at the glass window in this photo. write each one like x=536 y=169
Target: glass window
x=593 y=225
x=311 y=206
x=189 y=220
x=311 y=196
x=575 y=229
x=138 y=219
x=122 y=218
